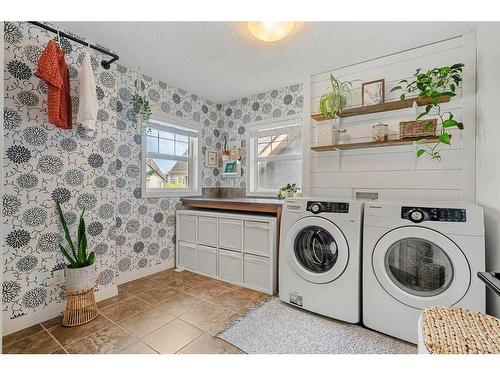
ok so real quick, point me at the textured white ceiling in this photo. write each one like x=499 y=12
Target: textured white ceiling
x=221 y=61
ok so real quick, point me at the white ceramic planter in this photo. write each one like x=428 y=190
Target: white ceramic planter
x=80 y=278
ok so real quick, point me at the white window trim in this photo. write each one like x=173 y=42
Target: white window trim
x=196 y=160
x=251 y=171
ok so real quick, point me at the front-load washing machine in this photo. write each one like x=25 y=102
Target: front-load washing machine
x=419 y=255
x=319 y=256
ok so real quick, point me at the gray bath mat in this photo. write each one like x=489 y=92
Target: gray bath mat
x=278 y=328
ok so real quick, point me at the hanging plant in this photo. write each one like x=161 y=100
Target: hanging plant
x=332 y=103
x=434 y=84
x=141 y=106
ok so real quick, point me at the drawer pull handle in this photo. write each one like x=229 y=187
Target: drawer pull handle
x=230 y=222
x=256 y=261
x=264 y=226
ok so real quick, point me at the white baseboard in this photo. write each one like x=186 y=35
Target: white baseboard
x=143 y=272
x=14 y=325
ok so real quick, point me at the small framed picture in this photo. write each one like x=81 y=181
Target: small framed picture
x=373 y=92
x=231 y=167
x=211 y=158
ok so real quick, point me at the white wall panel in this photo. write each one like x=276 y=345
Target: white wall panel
x=394 y=172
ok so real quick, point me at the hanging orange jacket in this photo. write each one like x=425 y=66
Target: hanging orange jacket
x=52 y=68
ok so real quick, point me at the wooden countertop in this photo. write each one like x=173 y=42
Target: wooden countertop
x=236 y=204
x=236 y=200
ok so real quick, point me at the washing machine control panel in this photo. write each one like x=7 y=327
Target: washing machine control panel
x=419 y=214
x=319 y=207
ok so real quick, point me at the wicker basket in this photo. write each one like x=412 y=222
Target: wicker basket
x=80 y=307
x=417 y=129
x=453 y=330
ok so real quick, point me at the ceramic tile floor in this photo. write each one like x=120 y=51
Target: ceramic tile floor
x=167 y=312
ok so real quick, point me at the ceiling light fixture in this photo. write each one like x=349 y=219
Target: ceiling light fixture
x=270 y=31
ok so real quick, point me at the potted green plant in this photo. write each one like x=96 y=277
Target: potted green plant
x=80 y=272
x=287 y=191
x=140 y=106
x=434 y=84
x=333 y=102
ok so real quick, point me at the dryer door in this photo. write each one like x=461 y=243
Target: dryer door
x=421 y=267
x=316 y=250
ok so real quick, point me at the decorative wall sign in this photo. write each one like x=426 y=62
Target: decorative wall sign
x=373 y=92
x=211 y=158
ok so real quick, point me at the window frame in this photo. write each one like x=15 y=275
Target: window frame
x=194 y=160
x=253 y=160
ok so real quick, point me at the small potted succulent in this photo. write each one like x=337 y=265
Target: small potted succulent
x=80 y=272
x=287 y=191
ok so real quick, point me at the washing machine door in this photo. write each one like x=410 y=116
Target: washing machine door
x=421 y=267
x=317 y=250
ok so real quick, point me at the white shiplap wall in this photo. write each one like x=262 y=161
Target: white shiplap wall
x=395 y=172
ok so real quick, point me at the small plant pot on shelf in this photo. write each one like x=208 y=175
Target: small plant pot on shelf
x=80 y=278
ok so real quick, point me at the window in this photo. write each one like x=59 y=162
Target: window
x=275 y=156
x=170 y=162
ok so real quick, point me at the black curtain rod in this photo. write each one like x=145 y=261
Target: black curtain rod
x=105 y=64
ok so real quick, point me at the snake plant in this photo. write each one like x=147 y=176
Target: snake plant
x=332 y=103
x=78 y=257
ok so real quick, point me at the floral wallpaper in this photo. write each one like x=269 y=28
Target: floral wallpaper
x=146 y=227
x=234 y=118
x=99 y=172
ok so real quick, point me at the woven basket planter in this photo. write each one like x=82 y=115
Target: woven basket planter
x=417 y=129
x=80 y=307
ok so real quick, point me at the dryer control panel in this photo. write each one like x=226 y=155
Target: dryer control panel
x=419 y=214
x=319 y=207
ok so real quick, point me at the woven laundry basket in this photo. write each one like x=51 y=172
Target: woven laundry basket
x=454 y=330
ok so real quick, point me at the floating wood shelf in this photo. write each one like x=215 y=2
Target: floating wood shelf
x=391 y=142
x=384 y=107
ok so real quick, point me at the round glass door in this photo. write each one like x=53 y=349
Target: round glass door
x=315 y=249
x=419 y=267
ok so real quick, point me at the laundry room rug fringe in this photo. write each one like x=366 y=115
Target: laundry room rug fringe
x=277 y=328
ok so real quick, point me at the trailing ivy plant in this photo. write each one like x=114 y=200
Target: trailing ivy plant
x=433 y=84
x=141 y=106
x=78 y=257
x=332 y=103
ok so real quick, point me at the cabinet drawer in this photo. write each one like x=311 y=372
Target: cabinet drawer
x=207 y=260
x=257 y=237
x=256 y=272
x=230 y=232
x=230 y=266
x=187 y=255
x=207 y=230
x=187 y=228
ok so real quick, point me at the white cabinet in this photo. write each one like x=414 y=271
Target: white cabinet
x=187 y=255
x=207 y=230
x=256 y=271
x=230 y=266
x=257 y=237
x=186 y=228
x=230 y=233
x=207 y=260
x=237 y=248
